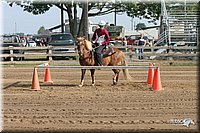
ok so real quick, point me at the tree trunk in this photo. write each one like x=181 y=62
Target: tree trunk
x=75 y=20
x=80 y=28
x=83 y=26
x=85 y=22
x=70 y=17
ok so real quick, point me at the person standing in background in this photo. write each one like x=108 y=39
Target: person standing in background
x=141 y=43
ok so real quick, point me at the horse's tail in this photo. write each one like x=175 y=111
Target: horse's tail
x=125 y=71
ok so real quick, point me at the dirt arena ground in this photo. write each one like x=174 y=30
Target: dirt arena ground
x=128 y=106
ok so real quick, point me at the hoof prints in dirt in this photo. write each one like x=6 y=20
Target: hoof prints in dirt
x=127 y=105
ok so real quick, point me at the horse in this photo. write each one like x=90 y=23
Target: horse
x=86 y=58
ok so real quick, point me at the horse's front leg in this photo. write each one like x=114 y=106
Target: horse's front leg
x=92 y=75
x=83 y=71
x=116 y=77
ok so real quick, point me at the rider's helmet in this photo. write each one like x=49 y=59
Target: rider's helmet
x=102 y=23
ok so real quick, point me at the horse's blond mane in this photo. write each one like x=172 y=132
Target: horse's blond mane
x=87 y=43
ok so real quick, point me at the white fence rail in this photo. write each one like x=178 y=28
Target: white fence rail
x=129 y=50
x=96 y=67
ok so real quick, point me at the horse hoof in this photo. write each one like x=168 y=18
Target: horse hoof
x=93 y=85
x=80 y=85
x=114 y=83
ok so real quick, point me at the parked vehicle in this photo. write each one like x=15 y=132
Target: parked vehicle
x=32 y=43
x=132 y=38
x=61 y=42
x=117 y=35
x=12 y=41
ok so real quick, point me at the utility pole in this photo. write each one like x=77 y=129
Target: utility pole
x=115 y=13
x=134 y=27
x=15 y=31
x=132 y=23
x=115 y=17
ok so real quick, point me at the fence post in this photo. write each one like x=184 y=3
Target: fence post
x=50 y=52
x=11 y=53
x=152 y=50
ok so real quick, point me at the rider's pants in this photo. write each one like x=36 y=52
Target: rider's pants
x=98 y=54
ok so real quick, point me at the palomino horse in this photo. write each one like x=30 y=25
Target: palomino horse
x=86 y=59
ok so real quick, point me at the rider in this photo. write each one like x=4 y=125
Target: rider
x=102 y=38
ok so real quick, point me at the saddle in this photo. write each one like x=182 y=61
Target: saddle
x=107 y=51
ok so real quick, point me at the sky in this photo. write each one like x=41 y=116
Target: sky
x=15 y=20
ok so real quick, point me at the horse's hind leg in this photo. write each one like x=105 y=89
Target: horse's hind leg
x=82 y=77
x=92 y=75
x=116 y=77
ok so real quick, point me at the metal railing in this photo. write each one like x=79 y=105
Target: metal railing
x=182 y=24
x=162 y=39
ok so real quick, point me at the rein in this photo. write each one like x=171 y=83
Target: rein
x=90 y=55
x=90 y=52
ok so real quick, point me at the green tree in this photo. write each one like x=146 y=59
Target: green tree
x=41 y=30
x=146 y=10
x=139 y=9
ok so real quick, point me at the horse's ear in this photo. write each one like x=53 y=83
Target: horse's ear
x=78 y=39
x=84 y=38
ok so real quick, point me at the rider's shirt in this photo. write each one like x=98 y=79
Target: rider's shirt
x=101 y=36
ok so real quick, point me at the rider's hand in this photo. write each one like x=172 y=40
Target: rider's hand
x=98 y=44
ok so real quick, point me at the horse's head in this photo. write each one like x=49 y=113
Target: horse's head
x=83 y=46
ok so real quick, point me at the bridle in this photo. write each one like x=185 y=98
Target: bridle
x=82 y=51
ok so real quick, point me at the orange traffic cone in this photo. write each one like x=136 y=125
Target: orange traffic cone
x=47 y=77
x=156 y=80
x=150 y=74
x=35 y=80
